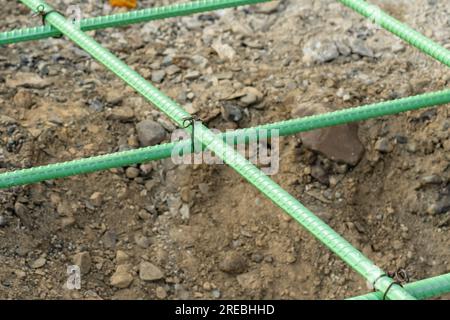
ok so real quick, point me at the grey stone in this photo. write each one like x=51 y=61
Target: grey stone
x=231 y=113
x=96 y=105
x=158 y=76
x=433 y=179
x=199 y=60
x=109 y=239
x=358 y=46
x=3 y=221
x=320 y=51
x=440 y=207
x=171 y=70
x=257 y=257
x=192 y=75
x=216 y=293
x=343 y=48
x=320 y=174
x=150 y=133
x=142 y=241
x=185 y=212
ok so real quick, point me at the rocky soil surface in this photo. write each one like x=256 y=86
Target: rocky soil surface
x=166 y=231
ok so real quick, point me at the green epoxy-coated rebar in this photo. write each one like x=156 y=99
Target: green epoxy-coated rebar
x=273 y=191
x=289 y=127
x=413 y=37
x=127 y=18
x=423 y=289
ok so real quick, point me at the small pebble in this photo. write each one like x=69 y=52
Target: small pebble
x=158 y=76
x=83 y=260
x=121 y=278
x=132 y=172
x=3 y=221
x=121 y=257
x=161 y=293
x=149 y=272
x=233 y=263
x=39 y=263
x=142 y=241
x=23 y=99
x=383 y=145
x=150 y=133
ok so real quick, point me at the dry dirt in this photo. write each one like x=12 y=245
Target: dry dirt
x=201 y=231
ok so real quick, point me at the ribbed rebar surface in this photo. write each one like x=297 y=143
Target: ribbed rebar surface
x=413 y=37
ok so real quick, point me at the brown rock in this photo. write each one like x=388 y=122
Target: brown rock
x=114 y=97
x=97 y=198
x=132 y=172
x=149 y=272
x=233 y=263
x=121 y=278
x=123 y=114
x=23 y=213
x=83 y=260
x=250 y=281
x=39 y=263
x=28 y=80
x=121 y=257
x=67 y=222
x=23 y=99
x=268 y=8
x=338 y=143
x=161 y=293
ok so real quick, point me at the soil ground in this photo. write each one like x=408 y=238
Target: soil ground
x=204 y=231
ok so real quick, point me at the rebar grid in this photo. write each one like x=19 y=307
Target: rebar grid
x=210 y=141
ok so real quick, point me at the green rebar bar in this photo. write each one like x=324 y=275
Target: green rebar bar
x=421 y=290
x=126 y=18
x=324 y=233
x=284 y=128
x=408 y=34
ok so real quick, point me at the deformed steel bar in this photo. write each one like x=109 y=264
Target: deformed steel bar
x=408 y=34
x=283 y=128
x=421 y=290
x=324 y=233
x=126 y=18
